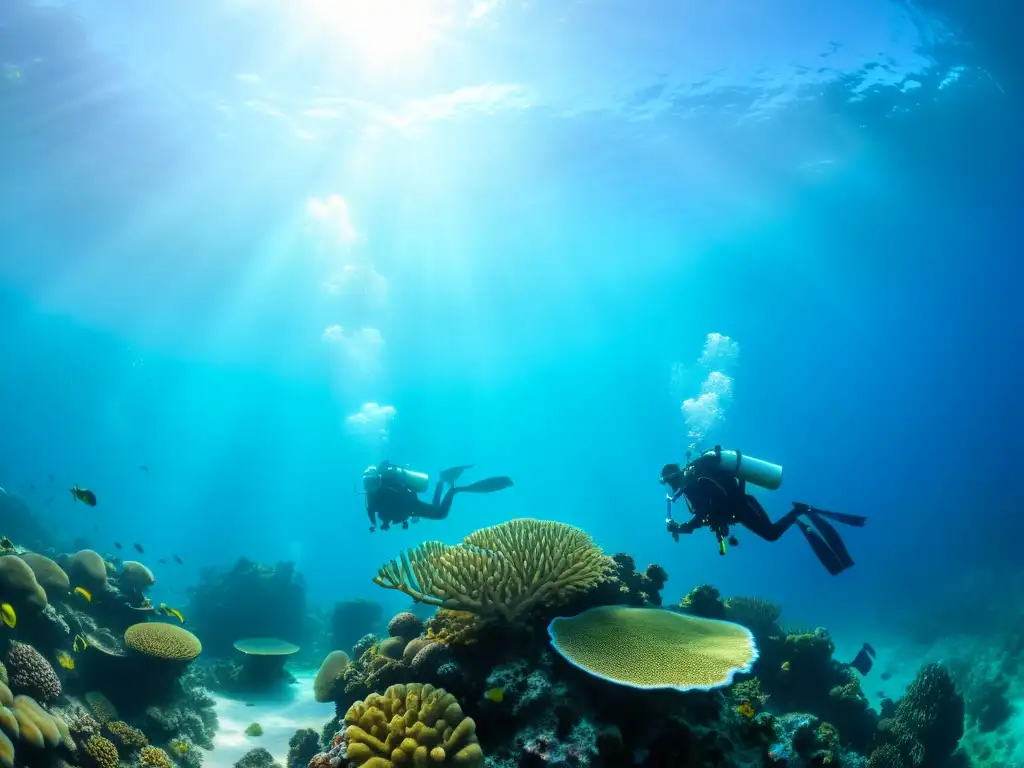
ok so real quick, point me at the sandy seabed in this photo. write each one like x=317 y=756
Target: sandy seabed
x=279 y=714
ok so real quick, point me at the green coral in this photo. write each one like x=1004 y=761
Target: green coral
x=255 y=729
x=503 y=571
x=704 y=601
x=750 y=690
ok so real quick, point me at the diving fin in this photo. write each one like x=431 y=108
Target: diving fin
x=825 y=556
x=488 y=485
x=864 y=660
x=832 y=538
x=857 y=521
x=452 y=474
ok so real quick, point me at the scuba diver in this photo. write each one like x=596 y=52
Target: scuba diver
x=714 y=486
x=392 y=493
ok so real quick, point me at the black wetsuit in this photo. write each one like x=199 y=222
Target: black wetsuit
x=395 y=502
x=718 y=499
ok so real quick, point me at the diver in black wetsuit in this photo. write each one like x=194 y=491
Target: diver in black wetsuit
x=392 y=494
x=716 y=496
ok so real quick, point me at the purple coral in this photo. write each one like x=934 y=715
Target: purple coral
x=29 y=673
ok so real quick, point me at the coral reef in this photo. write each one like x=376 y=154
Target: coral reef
x=29 y=673
x=257 y=758
x=302 y=746
x=330 y=675
x=250 y=600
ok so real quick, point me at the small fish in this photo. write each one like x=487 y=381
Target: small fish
x=83 y=495
x=177 y=560
x=6 y=545
x=496 y=695
x=162 y=561
x=65 y=660
x=80 y=644
x=886 y=675
x=8 y=615
x=117 y=545
x=110 y=566
x=84 y=593
x=746 y=709
x=139 y=548
x=249 y=704
x=143 y=467
x=166 y=610
x=786 y=666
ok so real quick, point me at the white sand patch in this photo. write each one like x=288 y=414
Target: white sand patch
x=280 y=714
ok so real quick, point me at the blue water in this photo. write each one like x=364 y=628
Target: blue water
x=539 y=212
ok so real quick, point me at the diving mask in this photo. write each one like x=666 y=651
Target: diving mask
x=371 y=480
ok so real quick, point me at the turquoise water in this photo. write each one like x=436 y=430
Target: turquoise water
x=255 y=247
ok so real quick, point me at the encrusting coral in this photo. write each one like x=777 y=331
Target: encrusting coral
x=653 y=648
x=410 y=724
x=503 y=571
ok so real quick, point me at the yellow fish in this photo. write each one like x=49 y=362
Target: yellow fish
x=8 y=615
x=165 y=610
x=84 y=593
x=181 y=746
x=786 y=666
x=110 y=566
x=496 y=695
x=65 y=660
x=745 y=709
x=80 y=643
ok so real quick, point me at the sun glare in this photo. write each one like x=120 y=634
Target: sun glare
x=386 y=33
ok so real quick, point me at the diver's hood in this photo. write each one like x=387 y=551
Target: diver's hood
x=371 y=479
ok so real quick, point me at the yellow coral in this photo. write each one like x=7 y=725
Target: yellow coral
x=413 y=724
x=163 y=641
x=505 y=570
x=453 y=627
x=101 y=752
x=653 y=648
x=154 y=757
x=101 y=706
x=126 y=738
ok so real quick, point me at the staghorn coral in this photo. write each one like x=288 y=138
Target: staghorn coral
x=124 y=737
x=651 y=648
x=154 y=757
x=503 y=571
x=410 y=723
x=100 y=752
x=163 y=641
x=30 y=673
x=405 y=625
x=453 y=627
x=330 y=675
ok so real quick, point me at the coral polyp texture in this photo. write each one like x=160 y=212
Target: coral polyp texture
x=503 y=571
x=652 y=648
x=30 y=673
x=163 y=641
x=413 y=724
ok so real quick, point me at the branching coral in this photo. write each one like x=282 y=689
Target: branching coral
x=503 y=571
x=410 y=723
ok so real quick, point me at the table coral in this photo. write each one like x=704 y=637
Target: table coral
x=163 y=641
x=410 y=723
x=652 y=648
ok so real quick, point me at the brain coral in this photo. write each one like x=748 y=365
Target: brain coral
x=48 y=573
x=163 y=641
x=88 y=566
x=135 y=576
x=18 y=583
x=330 y=674
x=30 y=673
x=413 y=724
x=653 y=648
x=405 y=625
x=503 y=571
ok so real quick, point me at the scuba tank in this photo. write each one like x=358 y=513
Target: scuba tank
x=406 y=478
x=761 y=473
